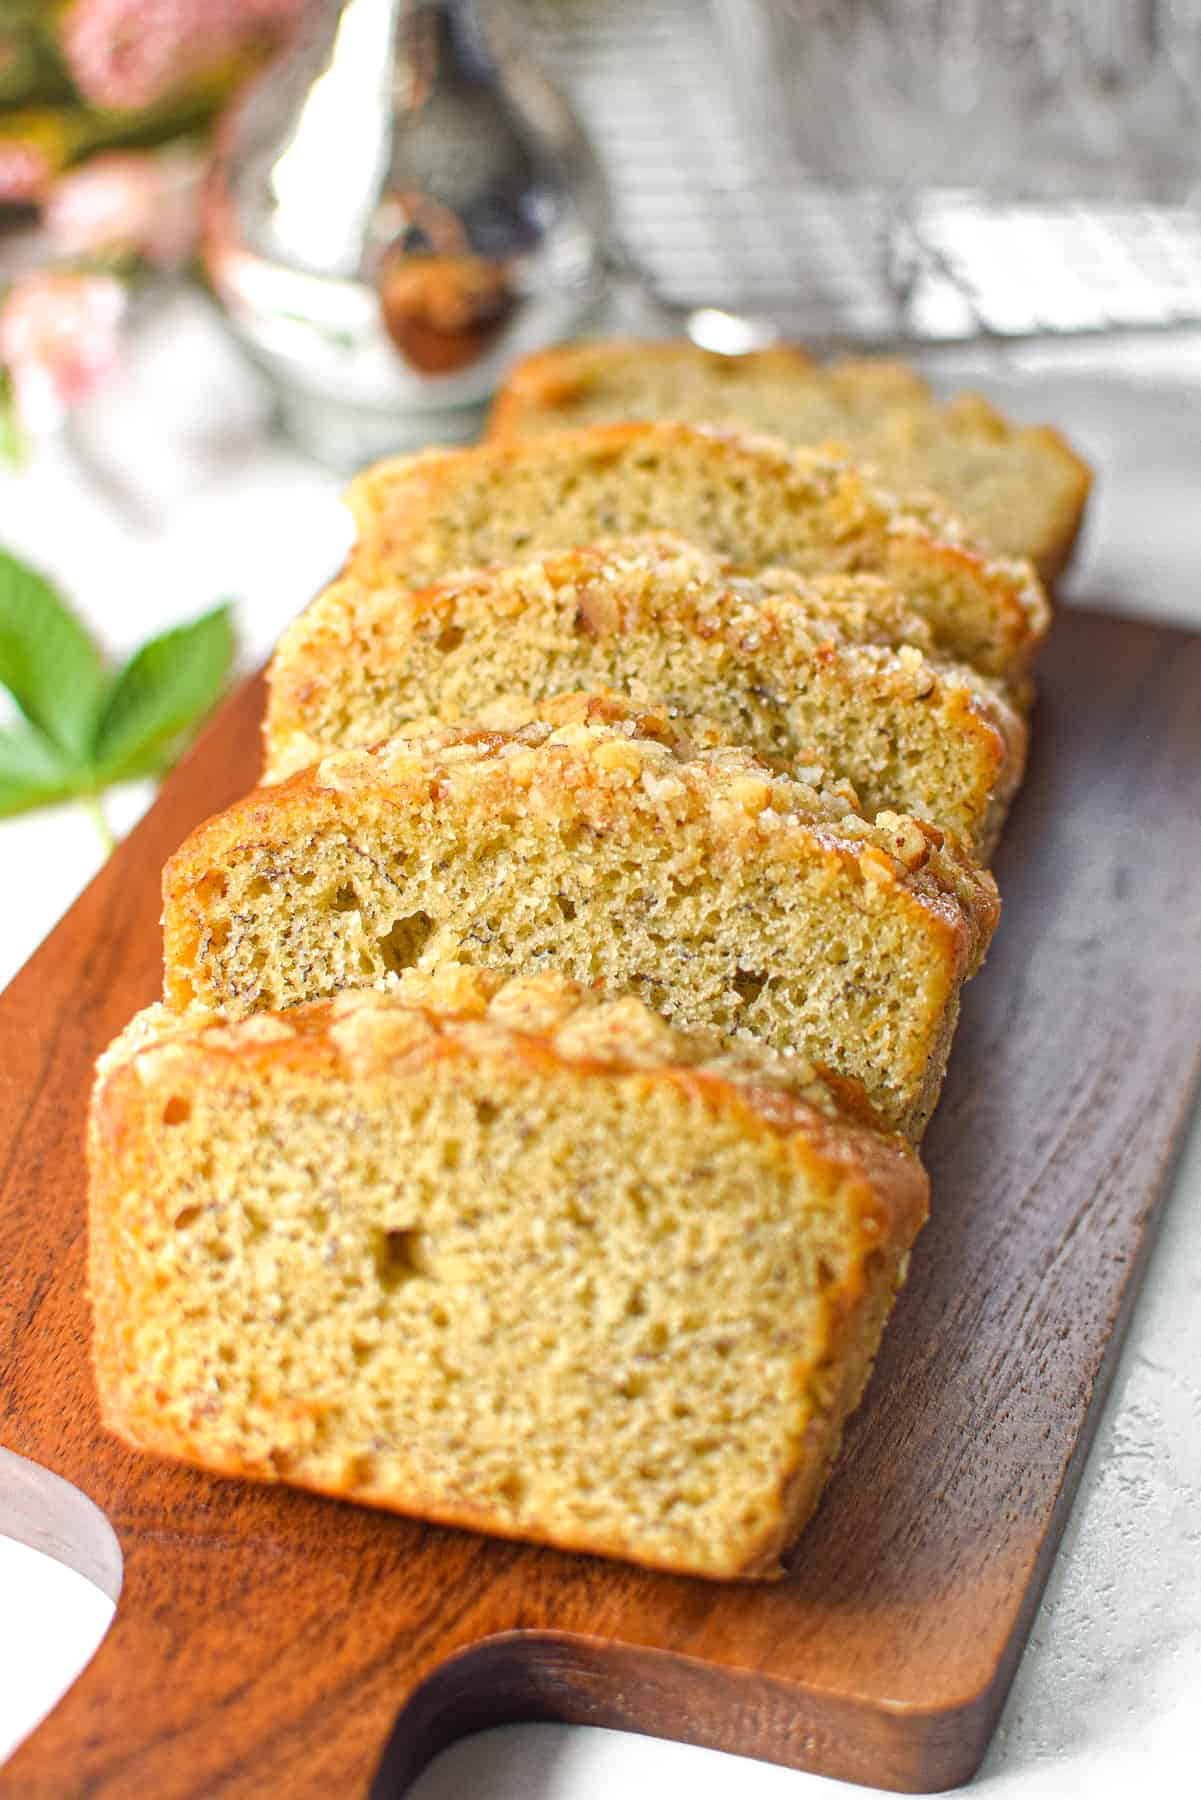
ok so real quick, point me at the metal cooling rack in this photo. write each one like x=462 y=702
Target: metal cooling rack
x=710 y=225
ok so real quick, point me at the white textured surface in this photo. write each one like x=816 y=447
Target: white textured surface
x=51 y=1621
x=210 y=506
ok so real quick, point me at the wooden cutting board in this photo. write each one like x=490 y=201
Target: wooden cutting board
x=273 y=1642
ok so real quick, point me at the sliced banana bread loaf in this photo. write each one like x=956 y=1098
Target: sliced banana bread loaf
x=510 y=1260
x=1022 y=486
x=752 y=501
x=837 y=664
x=725 y=895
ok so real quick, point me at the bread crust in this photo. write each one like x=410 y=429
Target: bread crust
x=363 y=661
x=725 y=809
x=423 y=517
x=548 y=390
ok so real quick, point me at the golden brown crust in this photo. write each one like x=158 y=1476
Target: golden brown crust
x=890 y=415
x=849 y=1358
x=694 y=869
x=653 y=610
x=541 y=390
x=539 y=1027
x=425 y=516
x=538 y=1022
x=741 y=804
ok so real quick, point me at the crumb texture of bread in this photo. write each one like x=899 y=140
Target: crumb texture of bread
x=723 y=894
x=1023 y=487
x=841 y=666
x=495 y=1255
x=755 y=502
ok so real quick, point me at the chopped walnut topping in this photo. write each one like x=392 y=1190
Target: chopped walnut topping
x=617 y=755
x=909 y=841
x=372 y=1034
x=751 y=793
x=344 y=770
x=453 y=987
x=624 y=1030
x=661 y=787
x=535 y=1003
x=156 y=1062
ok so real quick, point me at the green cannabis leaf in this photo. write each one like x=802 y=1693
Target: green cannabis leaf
x=83 y=728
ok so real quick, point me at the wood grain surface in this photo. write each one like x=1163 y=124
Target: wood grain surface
x=273 y=1642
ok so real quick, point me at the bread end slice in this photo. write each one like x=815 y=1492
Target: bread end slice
x=496 y=1255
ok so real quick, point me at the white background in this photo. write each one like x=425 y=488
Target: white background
x=174 y=495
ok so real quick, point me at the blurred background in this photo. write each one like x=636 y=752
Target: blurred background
x=390 y=199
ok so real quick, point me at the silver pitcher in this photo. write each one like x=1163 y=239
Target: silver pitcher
x=400 y=207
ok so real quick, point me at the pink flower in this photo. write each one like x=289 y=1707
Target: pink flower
x=24 y=172
x=59 y=337
x=142 y=201
x=127 y=53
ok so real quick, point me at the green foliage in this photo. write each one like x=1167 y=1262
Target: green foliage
x=84 y=728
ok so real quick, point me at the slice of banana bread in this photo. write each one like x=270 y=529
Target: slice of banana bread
x=510 y=1260
x=837 y=664
x=1022 y=486
x=725 y=895
x=752 y=501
